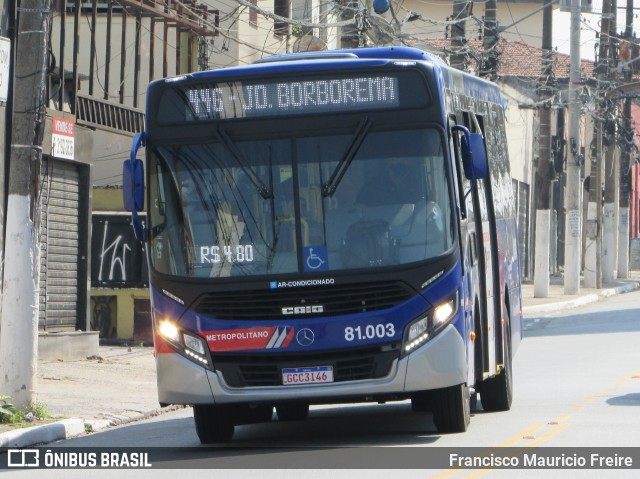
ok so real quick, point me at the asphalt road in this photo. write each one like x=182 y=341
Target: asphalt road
x=577 y=384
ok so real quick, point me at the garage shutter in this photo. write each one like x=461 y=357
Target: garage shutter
x=59 y=246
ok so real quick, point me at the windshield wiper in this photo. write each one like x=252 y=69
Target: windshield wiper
x=264 y=191
x=331 y=185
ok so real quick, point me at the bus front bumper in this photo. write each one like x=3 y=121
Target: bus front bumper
x=441 y=362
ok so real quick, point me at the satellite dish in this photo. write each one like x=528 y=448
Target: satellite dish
x=308 y=43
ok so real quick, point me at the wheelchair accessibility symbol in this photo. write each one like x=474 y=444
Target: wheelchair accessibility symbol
x=315 y=258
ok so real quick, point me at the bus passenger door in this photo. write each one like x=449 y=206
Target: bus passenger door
x=472 y=215
x=486 y=260
x=479 y=235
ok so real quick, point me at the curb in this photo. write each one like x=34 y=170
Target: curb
x=580 y=301
x=41 y=434
x=68 y=428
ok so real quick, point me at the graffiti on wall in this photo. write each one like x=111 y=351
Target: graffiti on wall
x=117 y=259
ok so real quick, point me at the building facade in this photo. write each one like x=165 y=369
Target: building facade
x=103 y=54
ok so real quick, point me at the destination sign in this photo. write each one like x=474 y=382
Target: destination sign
x=250 y=99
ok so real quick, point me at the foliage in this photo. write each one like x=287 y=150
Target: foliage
x=9 y=413
x=38 y=409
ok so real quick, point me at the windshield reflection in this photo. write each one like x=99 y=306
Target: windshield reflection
x=210 y=218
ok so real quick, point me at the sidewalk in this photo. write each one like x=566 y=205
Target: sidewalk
x=119 y=385
x=557 y=300
x=116 y=387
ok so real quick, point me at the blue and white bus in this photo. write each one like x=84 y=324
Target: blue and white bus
x=328 y=227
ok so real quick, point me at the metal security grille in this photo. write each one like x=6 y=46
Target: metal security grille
x=95 y=112
x=266 y=370
x=336 y=300
x=59 y=246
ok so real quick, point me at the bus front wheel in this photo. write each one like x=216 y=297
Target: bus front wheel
x=212 y=424
x=451 y=408
x=421 y=401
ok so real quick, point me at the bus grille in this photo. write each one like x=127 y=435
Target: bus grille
x=336 y=300
x=263 y=370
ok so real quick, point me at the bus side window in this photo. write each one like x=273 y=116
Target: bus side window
x=462 y=183
x=475 y=123
x=454 y=148
x=473 y=249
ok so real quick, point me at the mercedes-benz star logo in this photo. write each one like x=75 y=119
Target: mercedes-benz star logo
x=305 y=337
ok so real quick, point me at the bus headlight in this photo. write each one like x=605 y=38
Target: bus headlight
x=169 y=331
x=193 y=343
x=417 y=335
x=422 y=329
x=189 y=345
x=444 y=312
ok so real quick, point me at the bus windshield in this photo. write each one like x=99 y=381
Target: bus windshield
x=258 y=207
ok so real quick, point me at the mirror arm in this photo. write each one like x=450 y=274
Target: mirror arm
x=140 y=231
x=139 y=140
x=473 y=186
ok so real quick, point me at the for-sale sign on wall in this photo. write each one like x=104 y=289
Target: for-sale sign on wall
x=62 y=138
x=5 y=56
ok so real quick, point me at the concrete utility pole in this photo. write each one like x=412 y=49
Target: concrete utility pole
x=625 y=157
x=458 y=58
x=593 y=247
x=350 y=36
x=544 y=170
x=489 y=69
x=609 y=242
x=573 y=236
x=19 y=332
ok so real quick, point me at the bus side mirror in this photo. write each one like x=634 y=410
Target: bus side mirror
x=474 y=155
x=133 y=186
x=478 y=156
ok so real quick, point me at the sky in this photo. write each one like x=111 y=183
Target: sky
x=590 y=25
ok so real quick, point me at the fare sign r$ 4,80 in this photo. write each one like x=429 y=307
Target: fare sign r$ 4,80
x=62 y=138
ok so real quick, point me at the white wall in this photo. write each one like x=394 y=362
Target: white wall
x=520 y=126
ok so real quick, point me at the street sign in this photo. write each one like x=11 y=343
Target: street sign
x=62 y=138
x=5 y=57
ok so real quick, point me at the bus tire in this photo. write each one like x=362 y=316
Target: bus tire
x=212 y=424
x=496 y=393
x=292 y=411
x=451 y=408
x=421 y=401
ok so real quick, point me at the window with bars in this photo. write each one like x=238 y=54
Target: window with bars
x=253 y=13
x=281 y=8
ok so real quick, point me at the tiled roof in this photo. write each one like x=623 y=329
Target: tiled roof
x=515 y=59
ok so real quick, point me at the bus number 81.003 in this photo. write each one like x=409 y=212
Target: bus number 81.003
x=370 y=331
